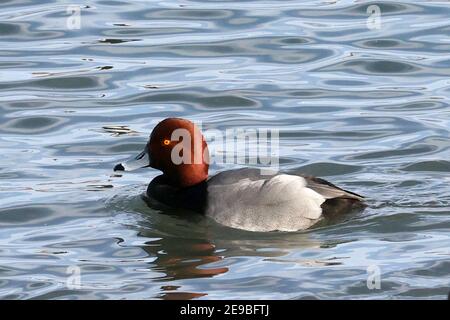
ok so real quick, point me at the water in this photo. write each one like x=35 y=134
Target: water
x=364 y=107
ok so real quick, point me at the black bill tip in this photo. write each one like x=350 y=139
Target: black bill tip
x=119 y=167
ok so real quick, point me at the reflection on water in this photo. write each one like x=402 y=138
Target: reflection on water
x=366 y=108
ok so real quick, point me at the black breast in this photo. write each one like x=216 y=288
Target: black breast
x=190 y=198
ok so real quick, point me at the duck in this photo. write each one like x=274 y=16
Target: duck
x=243 y=198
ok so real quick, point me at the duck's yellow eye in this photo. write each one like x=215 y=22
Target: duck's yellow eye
x=166 y=142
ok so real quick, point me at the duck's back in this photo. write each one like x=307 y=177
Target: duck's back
x=247 y=199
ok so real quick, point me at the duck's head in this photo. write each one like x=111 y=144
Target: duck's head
x=177 y=148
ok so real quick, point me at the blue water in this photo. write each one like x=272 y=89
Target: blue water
x=360 y=101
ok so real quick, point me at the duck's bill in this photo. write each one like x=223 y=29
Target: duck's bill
x=140 y=161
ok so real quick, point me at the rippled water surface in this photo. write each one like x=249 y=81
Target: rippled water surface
x=364 y=107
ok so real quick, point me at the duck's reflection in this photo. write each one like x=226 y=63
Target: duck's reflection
x=181 y=258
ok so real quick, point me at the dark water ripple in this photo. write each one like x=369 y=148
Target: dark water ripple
x=366 y=108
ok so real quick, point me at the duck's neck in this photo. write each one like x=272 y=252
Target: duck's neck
x=187 y=176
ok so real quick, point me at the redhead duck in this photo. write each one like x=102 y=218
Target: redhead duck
x=242 y=198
